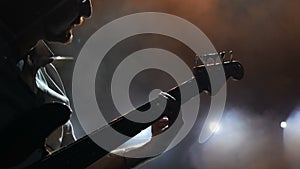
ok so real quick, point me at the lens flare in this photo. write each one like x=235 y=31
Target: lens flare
x=214 y=127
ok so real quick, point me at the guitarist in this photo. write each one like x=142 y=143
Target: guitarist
x=23 y=125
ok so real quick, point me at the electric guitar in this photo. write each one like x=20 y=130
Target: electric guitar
x=84 y=151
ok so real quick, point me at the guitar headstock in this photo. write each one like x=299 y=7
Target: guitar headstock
x=216 y=64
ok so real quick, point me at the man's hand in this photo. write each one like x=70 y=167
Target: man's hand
x=171 y=114
x=160 y=126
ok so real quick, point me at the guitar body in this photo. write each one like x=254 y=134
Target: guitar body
x=24 y=140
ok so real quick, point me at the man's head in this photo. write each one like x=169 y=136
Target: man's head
x=52 y=20
x=59 y=23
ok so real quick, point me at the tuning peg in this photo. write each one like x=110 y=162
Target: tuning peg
x=231 y=55
x=222 y=55
x=197 y=60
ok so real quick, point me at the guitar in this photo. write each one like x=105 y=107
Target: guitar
x=84 y=151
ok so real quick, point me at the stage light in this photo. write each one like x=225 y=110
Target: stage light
x=214 y=127
x=283 y=124
x=228 y=132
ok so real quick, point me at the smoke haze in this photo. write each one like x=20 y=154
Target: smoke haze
x=264 y=35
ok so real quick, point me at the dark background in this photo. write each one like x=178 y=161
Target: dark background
x=264 y=35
